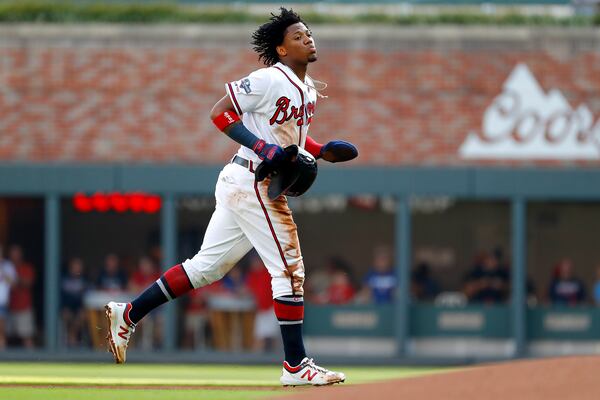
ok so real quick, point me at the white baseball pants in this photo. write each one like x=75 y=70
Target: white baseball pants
x=245 y=217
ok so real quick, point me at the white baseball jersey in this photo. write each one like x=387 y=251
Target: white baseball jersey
x=278 y=108
x=275 y=105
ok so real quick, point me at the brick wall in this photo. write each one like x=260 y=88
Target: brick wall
x=404 y=96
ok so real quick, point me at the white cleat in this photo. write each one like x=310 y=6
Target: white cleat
x=119 y=329
x=308 y=373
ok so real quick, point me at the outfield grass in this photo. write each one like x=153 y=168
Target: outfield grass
x=51 y=381
x=133 y=394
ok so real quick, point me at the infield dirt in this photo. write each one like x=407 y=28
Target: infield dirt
x=565 y=378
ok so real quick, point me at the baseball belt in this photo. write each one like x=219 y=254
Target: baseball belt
x=243 y=162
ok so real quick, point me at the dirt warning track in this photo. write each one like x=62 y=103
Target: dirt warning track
x=566 y=378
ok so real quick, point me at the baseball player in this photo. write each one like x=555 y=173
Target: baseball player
x=264 y=112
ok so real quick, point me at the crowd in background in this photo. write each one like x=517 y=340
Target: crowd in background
x=335 y=282
x=249 y=281
x=17 y=278
x=487 y=281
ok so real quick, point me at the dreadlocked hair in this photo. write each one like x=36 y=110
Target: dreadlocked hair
x=270 y=35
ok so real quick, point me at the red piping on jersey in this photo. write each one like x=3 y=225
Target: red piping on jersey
x=235 y=102
x=301 y=97
x=270 y=225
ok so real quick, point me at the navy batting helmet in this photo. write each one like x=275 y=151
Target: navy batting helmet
x=294 y=177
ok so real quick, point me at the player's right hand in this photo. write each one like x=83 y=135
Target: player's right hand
x=271 y=154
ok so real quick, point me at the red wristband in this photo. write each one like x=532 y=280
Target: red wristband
x=312 y=147
x=224 y=120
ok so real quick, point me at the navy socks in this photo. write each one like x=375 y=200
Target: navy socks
x=289 y=311
x=169 y=286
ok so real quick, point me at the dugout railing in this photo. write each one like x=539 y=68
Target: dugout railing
x=517 y=186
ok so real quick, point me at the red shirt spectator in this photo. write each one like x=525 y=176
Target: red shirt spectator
x=258 y=281
x=145 y=275
x=340 y=291
x=21 y=298
x=197 y=297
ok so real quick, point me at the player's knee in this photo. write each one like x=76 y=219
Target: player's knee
x=285 y=285
x=199 y=277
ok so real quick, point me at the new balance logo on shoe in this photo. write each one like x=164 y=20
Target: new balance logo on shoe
x=308 y=374
x=123 y=333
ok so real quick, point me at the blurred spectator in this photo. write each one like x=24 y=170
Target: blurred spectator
x=318 y=282
x=597 y=287
x=423 y=286
x=232 y=313
x=504 y=266
x=112 y=278
x=155 y=253
x=487 y=282
x=380 y=282
x=73 y=286
x=266 y=327
x=565 y=288
x=531 y=292
x=144 y=275
x=196 y=316
x=8 y=276
x=326 y=285
x=234 y=282
x=341 y=290
x=22 y=323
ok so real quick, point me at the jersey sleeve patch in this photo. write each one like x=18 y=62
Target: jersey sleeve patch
x=245 y=85
x=250 y=94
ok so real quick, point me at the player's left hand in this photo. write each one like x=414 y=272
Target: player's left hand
x=337 y=151
x=271 y=167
